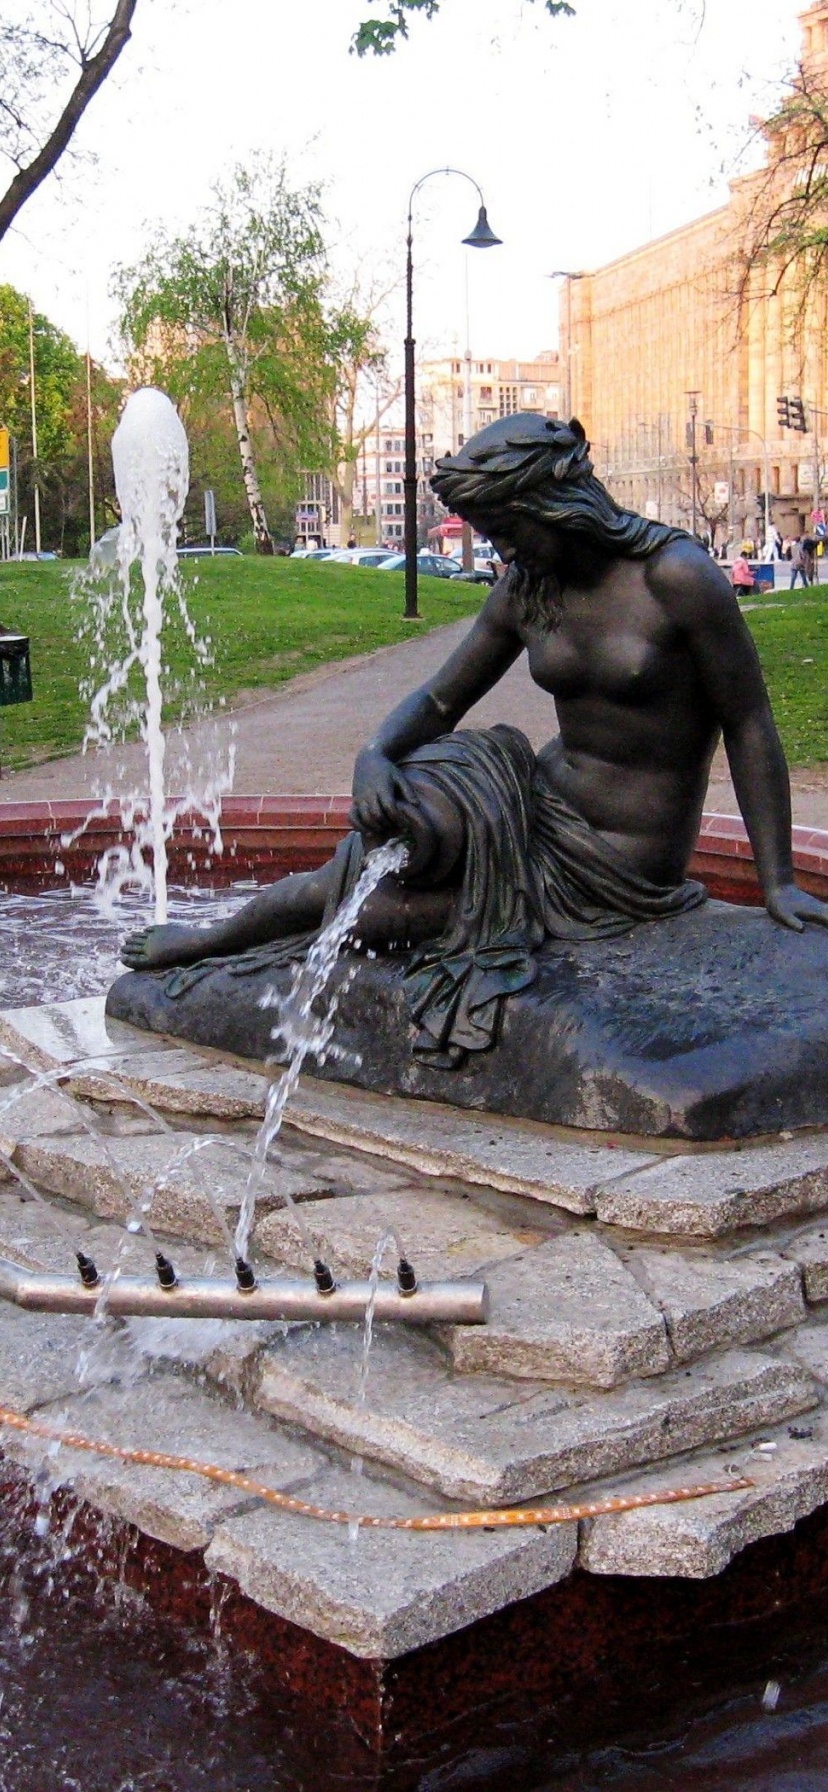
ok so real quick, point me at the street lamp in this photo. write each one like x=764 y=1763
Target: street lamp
x=481 y=237
x=568 y=274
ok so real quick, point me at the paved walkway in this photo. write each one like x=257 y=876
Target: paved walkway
x=302 y=738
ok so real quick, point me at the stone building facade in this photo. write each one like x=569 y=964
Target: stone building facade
x=674 y=350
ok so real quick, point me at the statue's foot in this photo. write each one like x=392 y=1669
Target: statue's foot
x=152 y=948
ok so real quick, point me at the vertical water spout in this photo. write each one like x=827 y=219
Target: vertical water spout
x=151 y=462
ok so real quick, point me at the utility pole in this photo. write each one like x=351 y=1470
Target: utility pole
x=693 y=398
x=34 y=432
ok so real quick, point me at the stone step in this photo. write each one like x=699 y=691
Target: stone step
x=788 y=1466
x=379 y=1594
x=710 y=1193
x=568 y=1311
x=518 y=1157
x=117 y=1177
x=710 y=1300
x=487 y=1439
x=175 y=1081
x=49 y=1034
x=443 y=1235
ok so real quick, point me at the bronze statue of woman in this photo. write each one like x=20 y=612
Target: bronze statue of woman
x=637 y=636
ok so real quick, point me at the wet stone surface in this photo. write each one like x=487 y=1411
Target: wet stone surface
x=650 y=1349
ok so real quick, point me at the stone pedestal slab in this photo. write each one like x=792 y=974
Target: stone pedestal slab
x=713 y=1024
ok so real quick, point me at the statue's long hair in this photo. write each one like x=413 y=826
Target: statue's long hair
x=539 y=467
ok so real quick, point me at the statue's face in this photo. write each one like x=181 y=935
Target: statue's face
x=533 y=546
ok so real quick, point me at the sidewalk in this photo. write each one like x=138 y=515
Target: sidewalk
x=302 y=738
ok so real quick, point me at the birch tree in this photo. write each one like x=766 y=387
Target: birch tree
x=54 y=57
x=234 y=308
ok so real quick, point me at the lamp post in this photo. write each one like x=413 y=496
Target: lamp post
x=693 y=398
x=481 y=237
x=568 y=274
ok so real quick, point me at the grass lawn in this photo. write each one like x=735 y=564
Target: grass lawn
x=267 y=619
x=270 y=619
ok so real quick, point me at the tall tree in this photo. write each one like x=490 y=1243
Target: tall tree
x=785 y=238
x=358 y=361
x=62 y=466
x=54 y=58
x=382 y=35
x=234 y=309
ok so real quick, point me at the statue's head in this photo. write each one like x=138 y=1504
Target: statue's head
x=534 y=467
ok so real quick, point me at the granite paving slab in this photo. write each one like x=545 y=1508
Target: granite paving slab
x=708 y=1194
x=53 y=1033
x=809 y=1249
x=379 y=1594
x=709 y=1300
x=808 y=1345
x=176 y=1081
x=187 y=1196
x=39 y=1354
x=443 y=1235
x=30 y=1112
x=567 y=1310
x=164 y=1413
x=486 y=1438
x=519 y=1157
x=789 y=1468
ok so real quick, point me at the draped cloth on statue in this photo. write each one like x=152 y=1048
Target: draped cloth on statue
x=533 y=869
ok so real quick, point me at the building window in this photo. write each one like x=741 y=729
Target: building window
x=508 y=400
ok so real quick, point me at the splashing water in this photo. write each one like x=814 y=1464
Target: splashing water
x=152 y=476
x=124 y=622
x=301 y=1033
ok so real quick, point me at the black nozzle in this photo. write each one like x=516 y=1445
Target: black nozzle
x=322 y=1276
x=245 y=1275
x=406 y=1277
x=88 y=1271
x=164 y=1269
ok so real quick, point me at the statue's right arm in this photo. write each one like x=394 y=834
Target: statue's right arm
x=487 y=651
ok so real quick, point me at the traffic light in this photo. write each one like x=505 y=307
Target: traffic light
x=708 y=433
x=783 y=412
x=798 y=419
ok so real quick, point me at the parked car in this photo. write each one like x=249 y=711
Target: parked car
x=480 y=575
x=360 y=556
x=431 y=566
x=203 y=551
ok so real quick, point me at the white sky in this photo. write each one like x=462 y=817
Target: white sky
x=587 y=136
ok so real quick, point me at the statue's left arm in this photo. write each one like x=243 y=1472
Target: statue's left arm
x=697 y=596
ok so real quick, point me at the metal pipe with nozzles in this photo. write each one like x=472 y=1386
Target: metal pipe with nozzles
x=208 y=1297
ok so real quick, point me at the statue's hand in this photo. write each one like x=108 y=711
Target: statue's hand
x=379 y=789
x=793 y=907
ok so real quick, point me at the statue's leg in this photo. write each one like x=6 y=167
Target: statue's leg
x=395 y=915
x=295 y=904
x=402 y=911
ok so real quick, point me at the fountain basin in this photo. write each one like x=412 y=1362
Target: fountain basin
x=267 y=836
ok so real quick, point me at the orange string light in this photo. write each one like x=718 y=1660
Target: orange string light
x=497 y=1519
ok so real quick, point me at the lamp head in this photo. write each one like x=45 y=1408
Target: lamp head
x=482 y=236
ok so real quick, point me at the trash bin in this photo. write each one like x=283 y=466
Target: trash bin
x=15 y=668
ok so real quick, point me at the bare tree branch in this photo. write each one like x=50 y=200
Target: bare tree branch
x=94 y=69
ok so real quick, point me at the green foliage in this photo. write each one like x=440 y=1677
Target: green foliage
x=381 y=36
x=60 y=389
x=243 y=288
x=268 y=619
